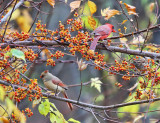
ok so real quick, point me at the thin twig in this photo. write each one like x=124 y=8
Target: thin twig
x=94 y=115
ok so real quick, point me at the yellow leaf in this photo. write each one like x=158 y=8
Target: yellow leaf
x=24 y=21
x=27 y=4
x=129 y=110
x=131 y=9
x=95 y=82
x=10 y=104
x=74 y=5
x=51 y=2
x=92 y=7
x=99 y=98
x=87 y=25
x=92 y=22
x=107 y=13
x=151 y=6
x=2 y=94
x=12 y=108
x=15 y=14
x=124 y=21
x=152 y=47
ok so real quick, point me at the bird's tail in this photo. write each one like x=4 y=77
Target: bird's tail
x=69 y=104
x=94 y=43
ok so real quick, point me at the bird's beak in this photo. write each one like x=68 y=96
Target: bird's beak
x=41 y=76
x=113 y=30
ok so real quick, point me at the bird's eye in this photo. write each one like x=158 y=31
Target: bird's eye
x=112 y=27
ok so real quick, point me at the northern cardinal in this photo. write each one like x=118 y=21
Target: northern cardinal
x=53 y=83
x=101 y=33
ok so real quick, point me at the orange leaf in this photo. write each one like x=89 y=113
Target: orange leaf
x=92 y=7
x=51 y=2
x=74 y=5
x=151 y=6
x=131 y=9
x=109 y=13
x=124 y=21
x=92 y=22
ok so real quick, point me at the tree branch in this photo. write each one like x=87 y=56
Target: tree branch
x=135 y=33
x=82 y=103
x=109 y=48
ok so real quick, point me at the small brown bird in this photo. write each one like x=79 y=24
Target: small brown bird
x=53 y=83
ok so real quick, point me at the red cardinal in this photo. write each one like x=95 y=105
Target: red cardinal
x=101 y=33
x=53 y=83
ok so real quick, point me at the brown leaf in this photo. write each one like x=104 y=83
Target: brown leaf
x=51 y=2
x=74 y=5
x=131 y=9
x=109 y=13
x=81 y=65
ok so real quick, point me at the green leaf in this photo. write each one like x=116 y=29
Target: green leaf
x=8 y=54
x=133 y=108
x=44 y=108
x=10 y=104
x=52 y=104
x=73 y=120
x=95 y=82
x=57 y=117
x=99 y=98
x=60 y=116
x=18 y=54
x=53 y=118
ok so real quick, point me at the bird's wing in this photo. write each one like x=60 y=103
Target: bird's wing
x=58 y=82
x=101 y=31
